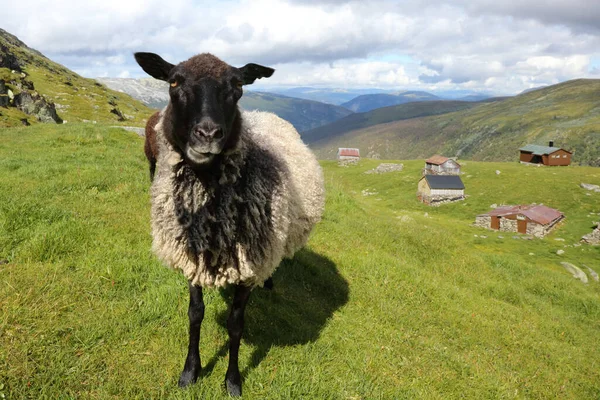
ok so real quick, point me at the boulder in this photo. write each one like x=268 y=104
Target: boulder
x=3 y=94
x=35 y=105
x=575 y=271
x=588 y=186
x=385 y=168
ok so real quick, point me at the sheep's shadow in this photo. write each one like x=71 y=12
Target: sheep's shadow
x=307 y=291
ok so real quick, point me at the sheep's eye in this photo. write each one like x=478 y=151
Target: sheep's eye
x=239 y=85
x=174 y=84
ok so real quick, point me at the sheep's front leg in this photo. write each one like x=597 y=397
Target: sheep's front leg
x=235 y=327
x=192 y=367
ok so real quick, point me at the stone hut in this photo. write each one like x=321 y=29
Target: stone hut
x=534 y=220
x=346 y=153
x=436 y=189
x=440 y=165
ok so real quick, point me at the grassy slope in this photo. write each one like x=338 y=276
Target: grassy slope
x=357 y=121
x=568 y=113
x=77 y=98
x=303 y=114
x=376 y=307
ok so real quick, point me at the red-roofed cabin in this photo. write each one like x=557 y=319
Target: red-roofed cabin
x=345 y=153
x=440 y=165
x=535 y=220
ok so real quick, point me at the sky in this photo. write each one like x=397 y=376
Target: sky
x=491 y=46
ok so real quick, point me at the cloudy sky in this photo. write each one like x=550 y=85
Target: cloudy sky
x=494 y=46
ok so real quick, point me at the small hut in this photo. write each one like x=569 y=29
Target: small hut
x=545 y=155
x=436 y=189
x=440 y=165
x=534 y=220
x=346 y=153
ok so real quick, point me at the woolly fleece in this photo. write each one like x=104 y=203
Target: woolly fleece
x=265 y=198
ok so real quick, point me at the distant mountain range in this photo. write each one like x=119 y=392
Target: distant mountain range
x=368 y=102
x=567 y=113
x=335 y=96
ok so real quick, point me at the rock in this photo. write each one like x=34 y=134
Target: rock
x=575 y=271
x=483 y=236
x=4 y=100
x=385 y=168
x=560 y=252
x=497 y=172
x=35 y=105
x=476 y=235
x=426 y=215
x=559 y=239
x=368 y=192
x=516 y=237
x=500 y=237
x=118 y=113
x=588 y=186
x=532 y=254
x=593 y=273
x=494 y=205
x=24 y=122
x=592 y=238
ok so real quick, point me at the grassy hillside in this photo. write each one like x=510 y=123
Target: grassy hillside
x=303 y=114
x=568 y=113
x=76 y=98
x=391 y=298
x=383 y=115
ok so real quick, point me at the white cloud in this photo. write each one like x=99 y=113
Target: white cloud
x=485 y=44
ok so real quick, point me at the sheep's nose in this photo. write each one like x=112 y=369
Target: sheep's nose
x=208 y=131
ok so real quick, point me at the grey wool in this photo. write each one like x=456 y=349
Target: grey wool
x=234 y=227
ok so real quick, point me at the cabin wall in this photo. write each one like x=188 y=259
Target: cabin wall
x=447 y=192
x=526 y=157
x=559 y=158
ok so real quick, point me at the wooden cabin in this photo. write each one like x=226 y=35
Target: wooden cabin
x=545 y=155
x=534 y=220
x=440 y=165
x=345 y=153
x=436 y=189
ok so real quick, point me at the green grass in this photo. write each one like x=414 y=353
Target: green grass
x=385 y=302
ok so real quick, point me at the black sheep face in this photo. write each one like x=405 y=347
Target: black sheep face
x=202 y=118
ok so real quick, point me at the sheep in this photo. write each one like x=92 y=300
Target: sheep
x=233 y=192
x=150 y=145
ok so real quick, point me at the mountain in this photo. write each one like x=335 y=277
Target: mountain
x=303 y=114
x=35 y=89
x=368 y=102
x=335 y=96
x=568 y=113
x=382 y=115
x=149 y=91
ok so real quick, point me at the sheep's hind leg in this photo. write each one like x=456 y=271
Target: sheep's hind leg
x=192 y=367
x=235 y=327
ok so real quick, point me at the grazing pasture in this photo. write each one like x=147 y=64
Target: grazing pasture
x=390 y=299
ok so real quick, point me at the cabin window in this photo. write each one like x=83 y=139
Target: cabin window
x=564 y=156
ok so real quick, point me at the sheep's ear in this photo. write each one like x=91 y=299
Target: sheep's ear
x=251 y=72
x=154 y=65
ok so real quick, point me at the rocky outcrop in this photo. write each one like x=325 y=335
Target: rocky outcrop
x=3 y=94
x=385 y=167
x=35 y=105
x=594 y=237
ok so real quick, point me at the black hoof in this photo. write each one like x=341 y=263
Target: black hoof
x=234 y=389
x=233 y=383
x=188 y=378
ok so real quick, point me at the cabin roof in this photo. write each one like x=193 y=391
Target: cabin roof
x=537 y=213
x=346 y=151
x=541 y=150
x=444 y=181
x=436 y=159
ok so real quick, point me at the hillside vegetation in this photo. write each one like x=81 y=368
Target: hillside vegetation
x=75 y=98
x=568 y=113
x=382 y=115
x=391 y=299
